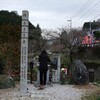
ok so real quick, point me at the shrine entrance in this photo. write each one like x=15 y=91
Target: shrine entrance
x=53 y=74
x=24 y=57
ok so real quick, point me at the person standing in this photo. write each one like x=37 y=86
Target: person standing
x=43 y=68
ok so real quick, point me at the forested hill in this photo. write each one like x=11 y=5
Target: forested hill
x=10 y=39
x=10 y=27
x=12 y=18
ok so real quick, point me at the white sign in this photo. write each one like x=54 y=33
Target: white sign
x=24 y=29
x=24 y=35
x=24 y=52
x=25 y=15
x=24 y=23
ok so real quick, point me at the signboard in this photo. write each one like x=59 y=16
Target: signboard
x=24 y=51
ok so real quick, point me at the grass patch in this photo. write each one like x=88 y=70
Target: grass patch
x=97 y=81
x=97 y=61
x=93 y=96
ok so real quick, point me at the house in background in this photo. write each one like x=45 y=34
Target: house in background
x=89 y=29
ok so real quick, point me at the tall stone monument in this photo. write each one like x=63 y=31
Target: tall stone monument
x=56 y=73
x=24 y=51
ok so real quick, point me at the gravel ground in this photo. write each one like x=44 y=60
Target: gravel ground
x=54 y=92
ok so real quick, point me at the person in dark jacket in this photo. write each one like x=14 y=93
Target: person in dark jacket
x=43 y=68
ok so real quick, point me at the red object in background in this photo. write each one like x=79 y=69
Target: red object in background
x=87 y=40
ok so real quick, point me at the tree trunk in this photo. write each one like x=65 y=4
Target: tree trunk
x=71 y=58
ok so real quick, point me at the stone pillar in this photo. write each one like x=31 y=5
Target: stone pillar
x=53 y=74
x=24 y=51
x=48 y=73
x=56 y=73
x=38 y=77
x=59 y=65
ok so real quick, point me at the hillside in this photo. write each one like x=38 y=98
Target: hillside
x=12 y=18
x=10 y=36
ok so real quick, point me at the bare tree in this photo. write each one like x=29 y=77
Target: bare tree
x=70 y=40
x=52 y=40
x=67 y=40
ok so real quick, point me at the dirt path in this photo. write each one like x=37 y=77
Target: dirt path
x=54 y=92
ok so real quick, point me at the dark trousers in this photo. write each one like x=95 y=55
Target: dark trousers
x=43 y=77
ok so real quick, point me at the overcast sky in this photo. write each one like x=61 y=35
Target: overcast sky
x=53 y=14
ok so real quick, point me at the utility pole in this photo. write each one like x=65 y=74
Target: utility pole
x=90 y=27
x=70 y=20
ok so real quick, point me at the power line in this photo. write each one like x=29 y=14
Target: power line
x=85 y=6
x=89 y=10
x=95 y=17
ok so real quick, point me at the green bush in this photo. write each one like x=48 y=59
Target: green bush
x=6 y=82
